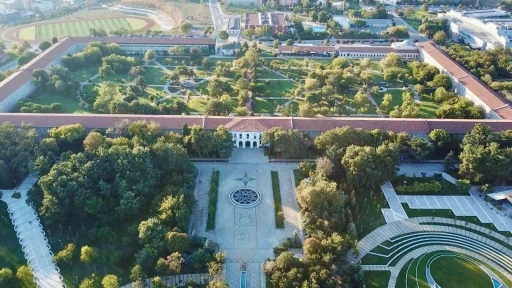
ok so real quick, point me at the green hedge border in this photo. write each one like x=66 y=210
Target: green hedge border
x=213 y=194
x=278 y=206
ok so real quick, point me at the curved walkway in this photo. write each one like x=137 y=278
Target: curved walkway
x=414 y=225
x=31 y=236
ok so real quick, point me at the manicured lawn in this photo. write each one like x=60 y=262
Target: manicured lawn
x=85 y=73
x=278 y=206
x=212 y=202
x=374 y=64
x=69 y=102
x=376 y=279
x=262 y=73
x=396 y=101
x=295 y=73
x=45 y=31
x=197 y=104
x=261 y=105
x=415 y=19
x=175 y=60
x=117 y=78
x=153 y=75
x=428 y=107
x=278 y=88
x=452 y=270
x=368 y=210
x=349 y=101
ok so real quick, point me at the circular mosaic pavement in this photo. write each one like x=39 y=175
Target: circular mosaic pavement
x=245 y=197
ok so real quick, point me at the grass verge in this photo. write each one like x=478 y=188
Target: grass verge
x=376 y=279
x=212 y=204
x=278 y=206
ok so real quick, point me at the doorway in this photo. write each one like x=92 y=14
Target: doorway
x=254 y=144
x=240 y=144
x=247 y=144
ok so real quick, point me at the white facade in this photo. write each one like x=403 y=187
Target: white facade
x=458 y=87
x=247 y=139
x=42 y=6
x=142 y=48
x=243 y=2
x=388 y=2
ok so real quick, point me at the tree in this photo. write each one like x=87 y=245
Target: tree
x=137 y=274
x=368 y=166
x=440 y=37
x=365 y=63
x=219 y=107
x=55 y=40
x=408 y=11
x=151 y=232
x=223 y=35
x=424 y=7
x=289 y=42
x=391 y=60
x=149 y=55
x=386 y=101
x=440 y=137
x=87 y=254
x=93 y=141
x=6 y=277
x=276 y=44
x=361 y=101
x=174 y=262
x=6 y=179
x=185 y=27
x=156 y=282
x=177 y=242
x=420 y=147
x=442 y=80
x=24 y=275
x=44 y=45
x=110 y=281
x=66 y=254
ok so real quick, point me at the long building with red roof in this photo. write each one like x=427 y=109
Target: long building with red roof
x=465 y=83
x=247 y=131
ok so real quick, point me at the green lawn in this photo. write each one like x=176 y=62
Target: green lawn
x=153 y=75
x=262 y=73
x=415 y=19
x=397 y=98
x=376 y=279
x=69 y=103
x=295 y=73
x=46 y=31
x=428 y=107
x=261 y=105
x=452 y=271
x=349 y=101
x=197 y=104
x=84 y=73
x=374 y=64
x=278 y=88
x=368 y=211
x=175 y=60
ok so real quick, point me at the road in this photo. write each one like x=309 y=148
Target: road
x=217 y=17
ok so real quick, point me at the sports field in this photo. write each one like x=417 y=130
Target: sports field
x=45 y=31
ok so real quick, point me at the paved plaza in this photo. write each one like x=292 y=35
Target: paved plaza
x=247 y=234
x=31 y=236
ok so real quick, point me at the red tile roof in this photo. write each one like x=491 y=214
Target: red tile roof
x=306 y=49
x=252 y=19
x=374 y=49
x=477 y=87
x=176 y=122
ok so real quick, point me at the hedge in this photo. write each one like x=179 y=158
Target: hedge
x=278 y=206
x=431 y=187
x=212 y=204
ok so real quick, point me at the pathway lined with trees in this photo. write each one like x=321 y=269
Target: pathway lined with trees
x=31 y=235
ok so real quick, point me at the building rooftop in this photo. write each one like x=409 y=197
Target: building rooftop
x=306 y=49
x=233 y=24
x=176 y=122
x=485 y=13
x=494 y=101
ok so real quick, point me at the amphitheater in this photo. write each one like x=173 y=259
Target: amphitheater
x=393 y=246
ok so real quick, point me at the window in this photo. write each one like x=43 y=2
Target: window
x=254 y=136
x=240 y=136
x=247 y=135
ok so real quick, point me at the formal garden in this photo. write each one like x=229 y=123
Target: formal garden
x=188 y=81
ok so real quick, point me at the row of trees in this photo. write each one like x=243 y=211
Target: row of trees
x=135 y=174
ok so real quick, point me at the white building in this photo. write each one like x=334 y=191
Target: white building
x=247 y=132
x=466 y=84
x=388 y=2
x=478 y=32
x=42 y=6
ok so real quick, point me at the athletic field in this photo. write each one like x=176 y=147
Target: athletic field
x=45 y=31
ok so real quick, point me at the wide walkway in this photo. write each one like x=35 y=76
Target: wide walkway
x=31 y=235
x=247 y=234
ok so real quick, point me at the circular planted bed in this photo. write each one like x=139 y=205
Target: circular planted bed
x=245 y=197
